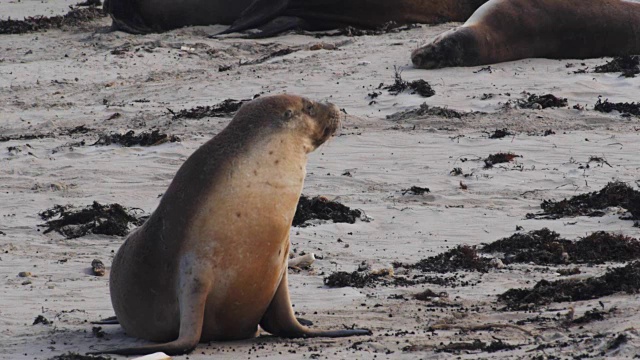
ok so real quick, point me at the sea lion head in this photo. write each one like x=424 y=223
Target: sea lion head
x=456 y=47
x=312 y=121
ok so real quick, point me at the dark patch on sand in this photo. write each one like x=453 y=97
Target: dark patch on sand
x=628 y=65
x=74 y=17
x=385 y=277
x=500 y=133
x=322 y=208
x=463 y=347
x=622 y=279
x=594 y=314
x=41 y=320
x=593 y=204
x=625 y=109
x=111 y=219
x=131 y=139
x=546 y=247
x=226 y=108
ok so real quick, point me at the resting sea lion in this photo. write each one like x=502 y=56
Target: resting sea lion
x=505 y=30
x=211 y=261
x=275 y=16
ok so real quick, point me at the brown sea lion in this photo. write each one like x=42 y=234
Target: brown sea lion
x=505 y=30
x=211 y=261
x=274 y=16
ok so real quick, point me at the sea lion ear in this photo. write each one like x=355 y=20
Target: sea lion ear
x=258 y=13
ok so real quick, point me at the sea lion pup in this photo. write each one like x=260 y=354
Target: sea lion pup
x=211 y=262
x=505 y=30
x=275 y=16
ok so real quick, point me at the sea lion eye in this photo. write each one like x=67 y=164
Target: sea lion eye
x=311 y=110
x=288 y=114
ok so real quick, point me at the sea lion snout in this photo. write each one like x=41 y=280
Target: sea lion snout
x=456 y=47
x=328 y=118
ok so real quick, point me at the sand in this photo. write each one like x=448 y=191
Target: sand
x=60 y=79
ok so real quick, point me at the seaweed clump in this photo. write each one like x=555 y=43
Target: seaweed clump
x=112 y=219
x=622 y=279
x=499 y=158
x=131 y=139
x=542 y=102
x=425 y=109
x=628 y=65
x=322 y=208
x=462 y=257
x=625 y=109
x=593 y=204
x=74 y=17
x=357 y=279
x=545 y=247
x=225 y=108
x=419 y=87
x=76 y=356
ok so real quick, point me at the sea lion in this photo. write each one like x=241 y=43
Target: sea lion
x=505 y=30
x=275 y=16
x=211 y=261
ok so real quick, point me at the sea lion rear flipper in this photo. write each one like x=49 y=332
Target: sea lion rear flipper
x=280 y=320
x=192 y=301
x=277 y=26
x=111 y=320
x=258 y=13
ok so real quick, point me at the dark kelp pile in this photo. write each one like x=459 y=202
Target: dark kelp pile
x=111 y=219
x=131 y=139
x=226 y=108
x=460 y=258
x=542 y=102
x=74 y=17
x=593 y=204
x=622 y=279
x=546 y=247
x=321 y=208
x=399 y=85
x=385 y=277
x=625 y=109
x=499 y=158
x=628 y=65
x=350 y=31
x=500 y=133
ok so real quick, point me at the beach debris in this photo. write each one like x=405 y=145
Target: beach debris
x=593 y=204
x=357 y=279
x=621 y=279
x=500 y=133
x=463 y=347
x=399 y=85
x=226 y=108
x=76 y=356
x=546 y=247
x=41 y=320
x=594 y=314
x=25 y=274
x=302 y=262
x=628 y=65
x=499 y=158
x=112 y=219
x=131 y=139
x=350 y=31
x=542 y=101
x=98 y=332
x=416 y=190
x=626 y=109
x=425 y=109
x=322 y=208
x=98 y=268
x=460 y=258
x=74 y=17
x=429 y=294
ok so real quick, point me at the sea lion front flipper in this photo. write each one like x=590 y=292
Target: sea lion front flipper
x=258 y=13
x=280 y=320
x=193 y=298
x=277 y=26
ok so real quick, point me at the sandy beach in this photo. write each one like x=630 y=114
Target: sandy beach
x=56 y=81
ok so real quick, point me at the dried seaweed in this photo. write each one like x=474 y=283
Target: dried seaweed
x=322 y=208
x=628 y=65
x=223 y=109
x=624 y=108
x=131 y=139
x=74 y=17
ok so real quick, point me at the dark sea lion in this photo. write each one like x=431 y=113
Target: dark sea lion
x=506 y=30
x=210 y=264
x=274 y=16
